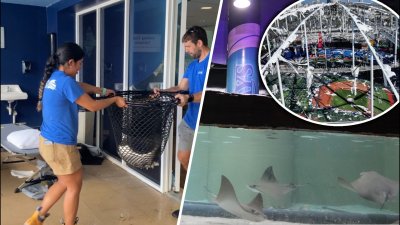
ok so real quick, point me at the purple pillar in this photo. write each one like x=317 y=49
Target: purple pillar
x=221 y=41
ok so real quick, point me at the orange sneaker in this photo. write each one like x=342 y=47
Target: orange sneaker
x=36 y=219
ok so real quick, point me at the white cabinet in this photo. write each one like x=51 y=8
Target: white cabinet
x=86 y=127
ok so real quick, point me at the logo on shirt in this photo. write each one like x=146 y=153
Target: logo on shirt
x=200 y=72
x=51 y=84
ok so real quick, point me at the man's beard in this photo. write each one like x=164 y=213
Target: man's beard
x=197 y=54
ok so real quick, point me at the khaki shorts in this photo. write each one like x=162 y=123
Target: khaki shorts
x=62 y=159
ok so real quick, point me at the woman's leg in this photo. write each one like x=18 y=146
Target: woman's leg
x=73 y=184
x=63 y=159
x=52 y=196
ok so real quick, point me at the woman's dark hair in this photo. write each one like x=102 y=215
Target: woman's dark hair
x=194 y=34
x=63 y=54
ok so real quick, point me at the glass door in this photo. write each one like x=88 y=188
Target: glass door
x=88 y=43
x=130 y=45
x=100 y=32
x=190 y=13
x=146 y=55
x=112 y=65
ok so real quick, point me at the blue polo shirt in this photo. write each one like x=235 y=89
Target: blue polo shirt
x=196 y=74
x=59 y=110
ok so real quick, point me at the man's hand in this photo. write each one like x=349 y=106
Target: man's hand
x=183 y=99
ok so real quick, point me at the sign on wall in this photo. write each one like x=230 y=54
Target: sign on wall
x=146 y=43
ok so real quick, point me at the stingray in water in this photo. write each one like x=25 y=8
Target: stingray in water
x=269 y=185
x=372 y=186
x=228 y=201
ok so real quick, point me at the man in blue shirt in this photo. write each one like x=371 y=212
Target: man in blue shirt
x=196 y=45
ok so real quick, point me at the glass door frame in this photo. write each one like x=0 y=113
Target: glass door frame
x=166 y=181
x=171 y=19
x=181 y=69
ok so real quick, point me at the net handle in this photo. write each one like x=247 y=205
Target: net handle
x=122 y=93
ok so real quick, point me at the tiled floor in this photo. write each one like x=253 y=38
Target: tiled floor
x=110 y=196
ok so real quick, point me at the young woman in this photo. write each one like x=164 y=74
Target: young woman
x=59 y=97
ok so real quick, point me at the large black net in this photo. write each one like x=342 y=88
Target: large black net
x=141 y=130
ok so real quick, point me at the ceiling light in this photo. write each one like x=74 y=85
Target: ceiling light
x=206 y=7
x=241 y=4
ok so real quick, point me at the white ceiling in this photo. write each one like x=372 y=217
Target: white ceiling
x=204 y=18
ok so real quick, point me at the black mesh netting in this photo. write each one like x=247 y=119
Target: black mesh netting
x=141 y=130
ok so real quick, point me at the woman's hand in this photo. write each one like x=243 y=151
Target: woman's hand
x=120 y=102
x=109 y=92
x=156 y=92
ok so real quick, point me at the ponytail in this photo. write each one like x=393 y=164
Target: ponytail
x=64 y=53
x=51 y=65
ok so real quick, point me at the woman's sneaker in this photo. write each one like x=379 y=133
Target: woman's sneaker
x=36 y=219
x=63 y=223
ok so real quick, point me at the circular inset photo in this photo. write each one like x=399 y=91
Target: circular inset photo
x=333 y=63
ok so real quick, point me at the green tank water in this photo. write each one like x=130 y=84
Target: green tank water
x=311 y=161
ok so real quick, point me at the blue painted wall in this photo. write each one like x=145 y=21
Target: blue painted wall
x=53 y=12
x=66 y=26
x=25 y=39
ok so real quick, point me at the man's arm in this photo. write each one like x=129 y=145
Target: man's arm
x=197 y=96
x=184 y=98
x=182 y=86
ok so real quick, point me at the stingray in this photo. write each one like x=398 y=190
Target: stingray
x=269 y=185
x=227 y=200
x=373 y=186
x=139 y=160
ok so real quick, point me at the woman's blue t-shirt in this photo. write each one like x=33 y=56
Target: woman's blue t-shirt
x=59 y=110
x=196 y=74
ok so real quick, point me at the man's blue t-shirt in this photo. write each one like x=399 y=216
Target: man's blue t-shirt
x=196 y=74
x=60 y=112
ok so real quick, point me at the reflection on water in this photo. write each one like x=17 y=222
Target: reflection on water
x=312 y=161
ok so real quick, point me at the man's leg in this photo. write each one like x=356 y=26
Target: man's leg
x=185 y=143
x=185 y=134
x=184 y=156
